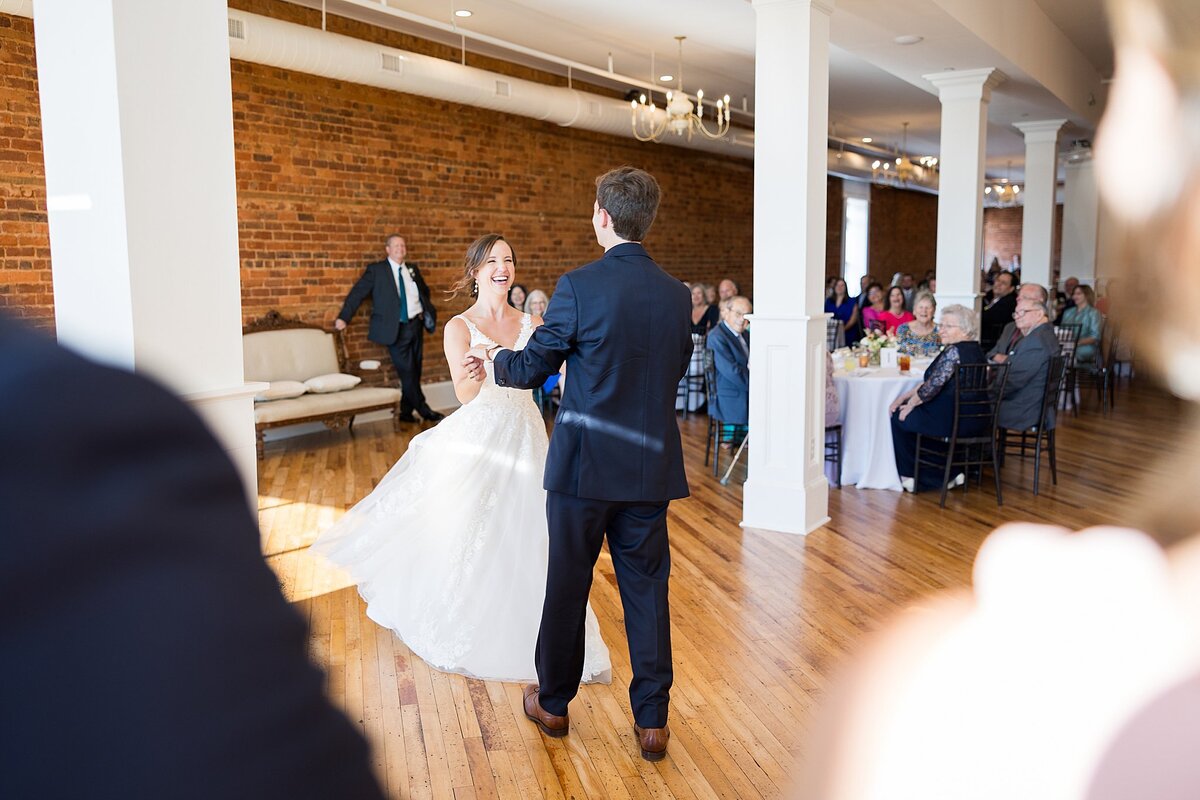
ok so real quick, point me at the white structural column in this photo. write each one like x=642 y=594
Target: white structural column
x=137 y=129
x=786 y=489
x=1041 y=179
x=965 y=95
x=1081 y=216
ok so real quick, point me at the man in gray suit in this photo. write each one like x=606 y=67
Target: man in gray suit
x=1028 y=359
x=1010 y=336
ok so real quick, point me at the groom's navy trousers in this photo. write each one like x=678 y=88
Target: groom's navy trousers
x=623 y=326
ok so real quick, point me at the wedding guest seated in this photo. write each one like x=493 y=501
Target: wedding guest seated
x=1091 y=324
x=710 y=294
x=1028 y=357
x=999 y=311
x=873 y=309
x=929 y=408
x=1033 y=292
x=1064 y=299
x=919 y=337
x=730 y=346
x=896 y=314
x=517 y=296
x=864 y=283
x=704 y=316
x=536 y=302
x=843 y=308
x=727 y=290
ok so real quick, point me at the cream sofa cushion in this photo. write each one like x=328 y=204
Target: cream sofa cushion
x=311 y=405
x=333 y=382
x=281 y=390
x=288 y=355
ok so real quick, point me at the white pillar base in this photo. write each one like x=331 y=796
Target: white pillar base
x=229 y=414
x=786 y=489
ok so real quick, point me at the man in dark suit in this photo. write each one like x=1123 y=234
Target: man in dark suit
x=730 y=346
x=998 y=312
x=148 y=650
x=1028 y=359
x=624 y=328
x=401 y=312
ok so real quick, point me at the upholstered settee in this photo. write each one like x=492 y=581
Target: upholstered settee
x=310 y=380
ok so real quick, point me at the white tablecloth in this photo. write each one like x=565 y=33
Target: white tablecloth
x=868 y=460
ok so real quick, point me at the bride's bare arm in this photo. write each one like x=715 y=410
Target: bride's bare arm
x=456 y=341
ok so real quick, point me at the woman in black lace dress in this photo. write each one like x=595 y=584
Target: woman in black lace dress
x=929 y=409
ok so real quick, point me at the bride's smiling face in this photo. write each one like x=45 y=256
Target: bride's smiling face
x=497 y=273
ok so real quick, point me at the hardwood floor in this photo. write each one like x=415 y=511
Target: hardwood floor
x=760 y=621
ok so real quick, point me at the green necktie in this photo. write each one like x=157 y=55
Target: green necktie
x=403 y=293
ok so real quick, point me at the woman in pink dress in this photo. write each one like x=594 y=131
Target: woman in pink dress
x=896 y=314
x=873 y=309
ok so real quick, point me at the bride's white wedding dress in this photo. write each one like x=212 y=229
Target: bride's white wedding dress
x=450 y=550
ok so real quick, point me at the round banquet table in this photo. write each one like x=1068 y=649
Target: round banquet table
x=864 y=395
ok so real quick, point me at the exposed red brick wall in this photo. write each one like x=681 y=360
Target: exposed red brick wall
x=835 y=212
x=1002 y=229
x=25 y=282
x=903 y=232
x=326 y=169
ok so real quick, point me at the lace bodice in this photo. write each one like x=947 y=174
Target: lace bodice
x=489 y=387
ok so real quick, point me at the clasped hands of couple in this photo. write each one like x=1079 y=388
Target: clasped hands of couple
x=474 y=360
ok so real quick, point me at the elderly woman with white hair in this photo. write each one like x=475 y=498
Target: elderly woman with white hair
x=929 y=408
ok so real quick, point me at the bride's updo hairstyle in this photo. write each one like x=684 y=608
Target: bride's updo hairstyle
x=477 y=253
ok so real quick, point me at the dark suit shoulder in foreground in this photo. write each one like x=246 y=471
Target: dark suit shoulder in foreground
x=149 y=652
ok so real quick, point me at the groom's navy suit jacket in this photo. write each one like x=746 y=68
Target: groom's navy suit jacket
x=624 y=328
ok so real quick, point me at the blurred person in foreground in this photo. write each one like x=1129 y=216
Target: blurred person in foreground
x=148 y=650
x=1072 y=669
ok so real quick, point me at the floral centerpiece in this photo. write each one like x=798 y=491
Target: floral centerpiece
x=875 y=341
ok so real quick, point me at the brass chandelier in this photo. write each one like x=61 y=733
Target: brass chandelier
x=680 y=116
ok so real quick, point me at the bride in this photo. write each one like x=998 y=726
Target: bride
x=450 y=550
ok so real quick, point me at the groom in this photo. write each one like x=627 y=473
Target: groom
x=615 y=460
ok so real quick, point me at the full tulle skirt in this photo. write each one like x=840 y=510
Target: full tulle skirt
x=450 y=550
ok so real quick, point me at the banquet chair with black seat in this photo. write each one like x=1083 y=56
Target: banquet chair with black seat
x=694 y=382
x=719 y=432
x=833 y=450
x=1068 y=340
x=1041 y=435
x=971 y=444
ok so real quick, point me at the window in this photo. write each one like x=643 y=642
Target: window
x=856 y=229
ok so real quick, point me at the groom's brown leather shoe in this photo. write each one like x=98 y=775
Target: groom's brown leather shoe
x=653 y=741
x=550 y=724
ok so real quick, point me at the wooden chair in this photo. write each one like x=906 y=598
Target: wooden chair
x=693 y=384
x=973 y=405
x=1102 y=373
x=718 y=432
x=1041 y=432
x=1068 y=340
x=833 y=449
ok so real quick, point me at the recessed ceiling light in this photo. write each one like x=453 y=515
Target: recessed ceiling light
x=866 y=140
x=462 y=12
x=665 y=78
x=908 y=38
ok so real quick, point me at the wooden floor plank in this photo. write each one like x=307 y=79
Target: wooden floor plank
x=760 y=621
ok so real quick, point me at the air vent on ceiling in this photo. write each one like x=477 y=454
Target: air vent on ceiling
x=593 y=108
x=392 y=63
x=237 y=29
x=503 y=89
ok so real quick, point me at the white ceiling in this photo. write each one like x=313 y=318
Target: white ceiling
x=875 y=84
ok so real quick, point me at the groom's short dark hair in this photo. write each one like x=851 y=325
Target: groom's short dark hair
x=630 y=196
